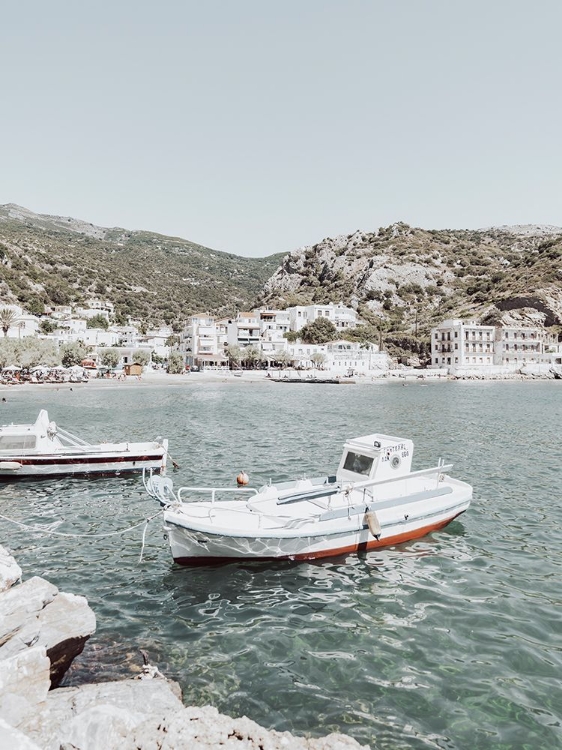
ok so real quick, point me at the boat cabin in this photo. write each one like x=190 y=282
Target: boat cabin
x=376 y=457
x=23 y=438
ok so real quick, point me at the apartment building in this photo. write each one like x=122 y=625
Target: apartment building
x=518 y=345
x=203 y=341
x=458 y=343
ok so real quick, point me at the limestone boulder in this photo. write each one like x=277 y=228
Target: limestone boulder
x=204 y=728
x=24 y=684
x=90 y=717
x=10 y=571
x=12 y=739
x=35 y=613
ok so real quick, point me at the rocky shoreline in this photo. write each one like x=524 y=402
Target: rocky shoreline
x=42 y=630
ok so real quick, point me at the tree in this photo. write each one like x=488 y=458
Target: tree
x=97 y=321
x=73 y=354
x=291 y=336
x=28 y=352
x=234 y=354
x=172 y=341
x=7 y=319
x=251 y=355
x=318 y=359
x=141 y=357
x=110 y=358
x=47 y=326
x=320 y=331
x=35 y=306
x=175 y=363
x=364 y=334
x=283 y=358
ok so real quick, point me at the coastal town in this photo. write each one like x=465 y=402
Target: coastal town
x=262 y=339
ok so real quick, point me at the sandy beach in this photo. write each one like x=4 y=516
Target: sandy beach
x=161 y=378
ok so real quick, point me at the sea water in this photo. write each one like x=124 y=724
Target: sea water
x=451 y=641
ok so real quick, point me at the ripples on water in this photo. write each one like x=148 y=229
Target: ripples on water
x=452 y=641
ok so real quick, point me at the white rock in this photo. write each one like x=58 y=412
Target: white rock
x=12 y=739
x=20 y=607
x=24 y=682
x=10 y=571
x=205 y=729
x=99 y=716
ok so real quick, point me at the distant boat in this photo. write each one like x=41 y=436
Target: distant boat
x=331 y=381
x=374 y=500
x=43 y=449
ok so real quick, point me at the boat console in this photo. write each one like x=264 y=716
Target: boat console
x=376 y=457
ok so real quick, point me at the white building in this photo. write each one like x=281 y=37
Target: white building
x=340 y=357
x=458 y=344
x=461 y=343
x=203 y=341
x=273 y=324
x=517 y=345
x=354 y=358
x=23 y=324
x=340 y=316
x=96 y=307
x=244 y=330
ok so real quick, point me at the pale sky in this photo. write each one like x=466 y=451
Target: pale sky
x=255 y=127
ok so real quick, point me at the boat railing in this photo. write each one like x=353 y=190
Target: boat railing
x=215 y=490
x=438 y=470
x=67 y=438
x=344 y=486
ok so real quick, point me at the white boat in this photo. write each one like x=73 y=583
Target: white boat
x=43 y=449
x=374 y=500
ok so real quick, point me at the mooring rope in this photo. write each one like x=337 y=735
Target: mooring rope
x=174 y=463
x=42 y=530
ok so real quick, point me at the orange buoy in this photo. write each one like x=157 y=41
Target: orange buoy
x=242 y=479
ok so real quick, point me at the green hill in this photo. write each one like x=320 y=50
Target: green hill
x=52 y=260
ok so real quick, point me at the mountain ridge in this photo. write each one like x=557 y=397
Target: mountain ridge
x=401 y=279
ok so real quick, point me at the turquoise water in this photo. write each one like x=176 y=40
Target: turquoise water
x=453 y=641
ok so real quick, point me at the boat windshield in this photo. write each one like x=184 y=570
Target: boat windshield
x=17 y=442
x=357 y=463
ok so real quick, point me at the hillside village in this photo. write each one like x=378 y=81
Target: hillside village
x=459 y=303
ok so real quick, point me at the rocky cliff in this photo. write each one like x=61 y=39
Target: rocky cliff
x=410 y=278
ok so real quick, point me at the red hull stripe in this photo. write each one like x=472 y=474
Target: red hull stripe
x=50 y=461
x=335 y=552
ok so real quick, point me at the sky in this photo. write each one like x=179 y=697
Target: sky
x=259 y=126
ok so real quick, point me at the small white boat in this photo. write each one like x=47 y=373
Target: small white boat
x=374 y=500
x=43 y=449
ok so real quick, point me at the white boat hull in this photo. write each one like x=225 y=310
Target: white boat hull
x=101 y=459
x=196 y=536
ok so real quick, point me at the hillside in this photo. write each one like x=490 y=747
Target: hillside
x=401 y=279
x=404 y=279
x=49 y=260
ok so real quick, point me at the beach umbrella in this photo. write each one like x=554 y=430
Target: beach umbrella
x=12 y=368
